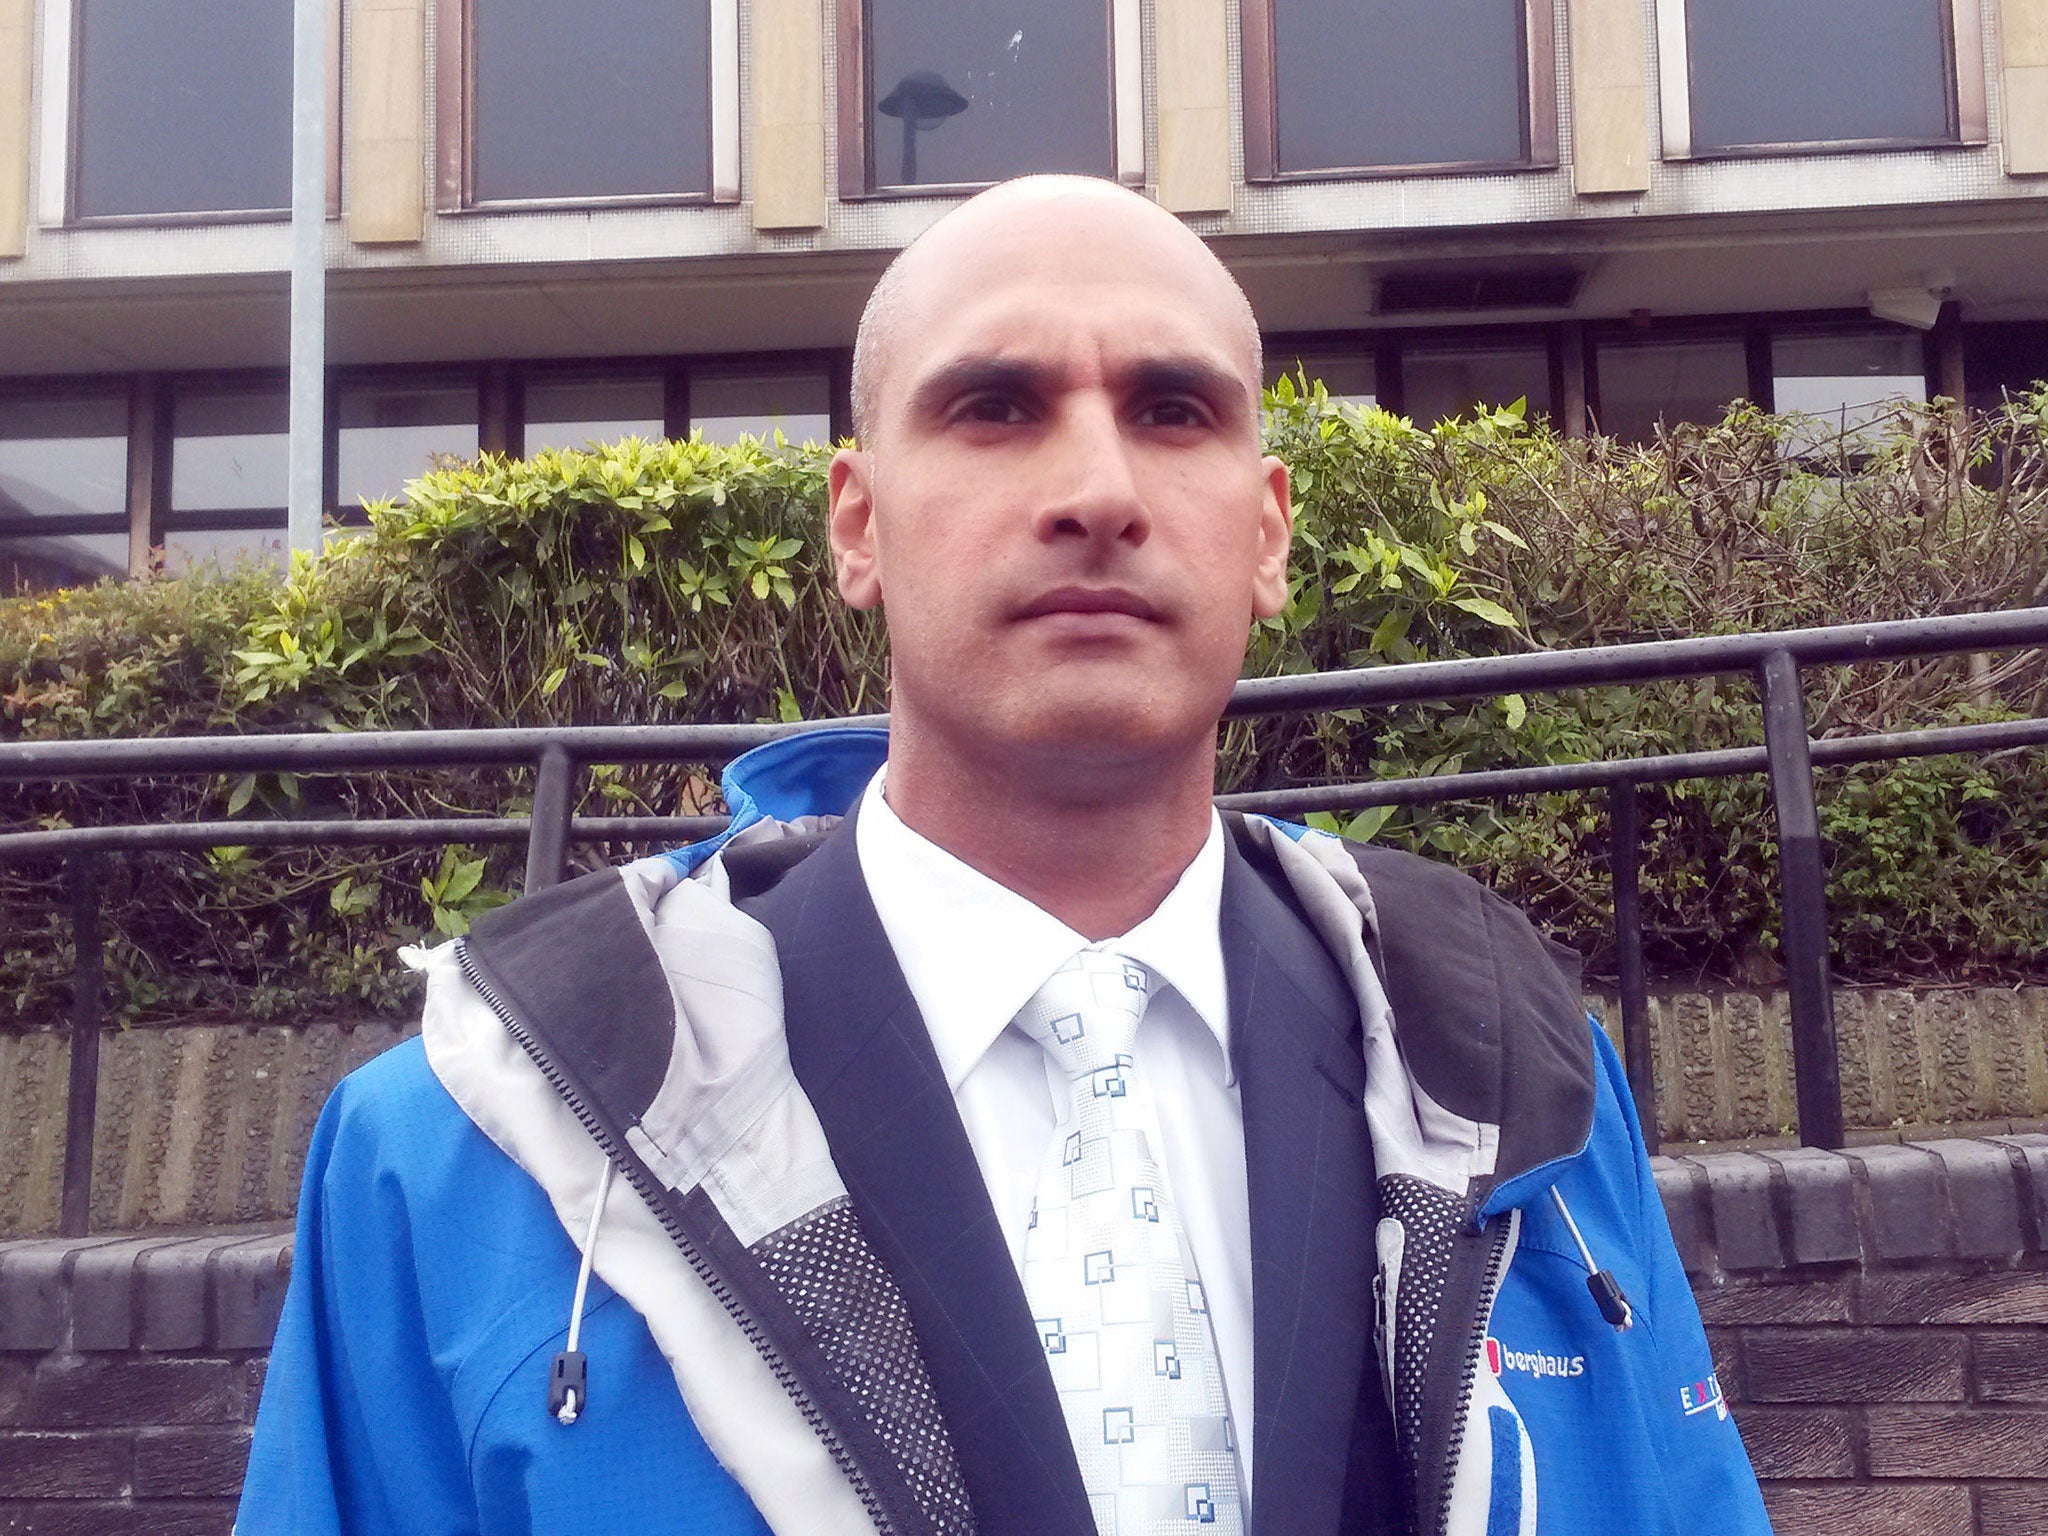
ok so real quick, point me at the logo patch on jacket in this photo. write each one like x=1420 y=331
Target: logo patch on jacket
x=1528 y=1362
x=1704 y=1397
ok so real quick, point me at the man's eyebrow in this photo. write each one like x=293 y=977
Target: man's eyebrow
x=972 y=375
x=1187 y=375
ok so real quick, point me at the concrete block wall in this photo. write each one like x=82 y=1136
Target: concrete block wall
x=1877 y=1319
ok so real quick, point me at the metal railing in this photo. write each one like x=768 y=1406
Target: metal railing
x=558 y=755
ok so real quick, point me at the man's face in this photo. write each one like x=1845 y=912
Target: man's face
x=1063 y=507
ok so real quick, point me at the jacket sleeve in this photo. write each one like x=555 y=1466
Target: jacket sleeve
x=1700 y=1446
x=355 y=1433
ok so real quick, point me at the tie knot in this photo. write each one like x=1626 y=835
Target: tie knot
x=1087 y=1012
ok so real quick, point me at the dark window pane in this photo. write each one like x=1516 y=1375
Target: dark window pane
x=224 y=549
x=602 y=98
x=1441 y=381
x=1813 y=71
x=725 y=408
x=1644 y=383
x=575 y=413
x=229 y=450
x=392 y=435
x=64 y=457
x=37 y=564
x=183 y=108
x=1346 y=377
x=979 y=90
x=1398 y=82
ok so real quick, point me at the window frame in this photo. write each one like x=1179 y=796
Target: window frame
x=455 y=123
x=1261 y=103
x=1962 y=54
x=58 y=129
x=856 y=175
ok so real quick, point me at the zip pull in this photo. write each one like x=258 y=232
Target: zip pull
x=1607 y=1293
x=569 y=1374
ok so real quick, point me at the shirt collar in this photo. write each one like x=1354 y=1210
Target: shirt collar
x=973 y=951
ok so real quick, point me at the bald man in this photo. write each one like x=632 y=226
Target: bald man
x=983 y=1134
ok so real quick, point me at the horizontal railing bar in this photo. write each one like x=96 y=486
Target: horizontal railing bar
x=1641 y=662
x=349 y=834
x=1483 y=784
x=1486 y=784
x=343 y=751
x=1413 y=682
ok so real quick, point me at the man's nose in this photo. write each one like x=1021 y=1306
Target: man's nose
x=1092 y=488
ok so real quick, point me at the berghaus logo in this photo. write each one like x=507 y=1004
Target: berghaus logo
x=1528 y=1362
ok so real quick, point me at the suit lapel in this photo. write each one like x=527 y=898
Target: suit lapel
x=862 y=1054
x=1308 y=1157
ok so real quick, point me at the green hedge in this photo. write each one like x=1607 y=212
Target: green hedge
x=685 y=582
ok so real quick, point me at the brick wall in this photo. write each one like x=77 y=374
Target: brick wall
x=1879 y=1317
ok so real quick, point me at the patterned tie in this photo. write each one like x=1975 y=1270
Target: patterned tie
x=1111 y=1283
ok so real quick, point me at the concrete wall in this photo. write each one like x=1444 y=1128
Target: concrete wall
x=1877 y=1320
x=207 y=1124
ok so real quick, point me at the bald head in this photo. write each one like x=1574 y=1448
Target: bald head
x=1031 y=224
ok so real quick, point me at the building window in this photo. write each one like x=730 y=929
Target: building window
x=229 y=472
x=1848 y=382
x=601 y=100
x=1340 y=87
x=974 y=91
x=63 y=490
x=1445 y=379
x=1348 y=378
x=1747 y=76
x=570 y=411
x=387 y=434
x=726 y=407
x=178 y=109
x=1641 y=386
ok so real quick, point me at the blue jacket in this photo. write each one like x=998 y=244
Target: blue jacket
x=613 y=1079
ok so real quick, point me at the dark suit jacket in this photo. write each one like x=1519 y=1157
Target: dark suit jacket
x=1322 y=1444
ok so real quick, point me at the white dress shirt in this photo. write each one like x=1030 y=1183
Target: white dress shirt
x=973 y=952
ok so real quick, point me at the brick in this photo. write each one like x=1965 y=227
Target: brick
x=1797 y=1442
x=2029 y=1153
x=1739 y=1195
x=1683 y=1189
x=1956 y=1443
x=1907 y=1215
x=1998 y=1297
x=189 y=1517
x=1869 y=1511
x=190 y=1463
x=249 y=1282
x=1820 y=1199
x=1725 y=1344
x=32 y=1294
x=1779 y=1300
x=2012 y=1509
x=1983 y=1197
x=2010 y=1367
x=172 y=1284
x=47 y=1466
x=1852 y=1365
x=99 y=1390
x=102 y=1290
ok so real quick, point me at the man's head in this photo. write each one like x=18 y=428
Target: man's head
x=1059 y=497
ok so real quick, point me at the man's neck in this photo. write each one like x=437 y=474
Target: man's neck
x=1100 y=856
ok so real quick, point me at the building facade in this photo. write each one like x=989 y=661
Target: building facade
x=551 y=223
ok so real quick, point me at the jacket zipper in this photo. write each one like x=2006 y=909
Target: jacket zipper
x=1475 y=1348
x=657 y=1200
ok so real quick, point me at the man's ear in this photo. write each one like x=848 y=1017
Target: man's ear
x=850 y=524
x=1276 y=536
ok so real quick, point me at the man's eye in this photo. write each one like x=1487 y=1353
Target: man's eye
x=1173 y=413
x=997 y=409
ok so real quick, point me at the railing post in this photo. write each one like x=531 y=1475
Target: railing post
x=1625 y=864
x=87 y=984
x=547 y=841
x=1817 y=1071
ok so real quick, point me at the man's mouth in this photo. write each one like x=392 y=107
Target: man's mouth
x=1085 y=600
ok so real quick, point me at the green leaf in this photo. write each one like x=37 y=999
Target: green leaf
x=1485 y=608
x=239 y=797
x=1517 y=710
x=553 y=681
x=461 y=880
x=1391 y=630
